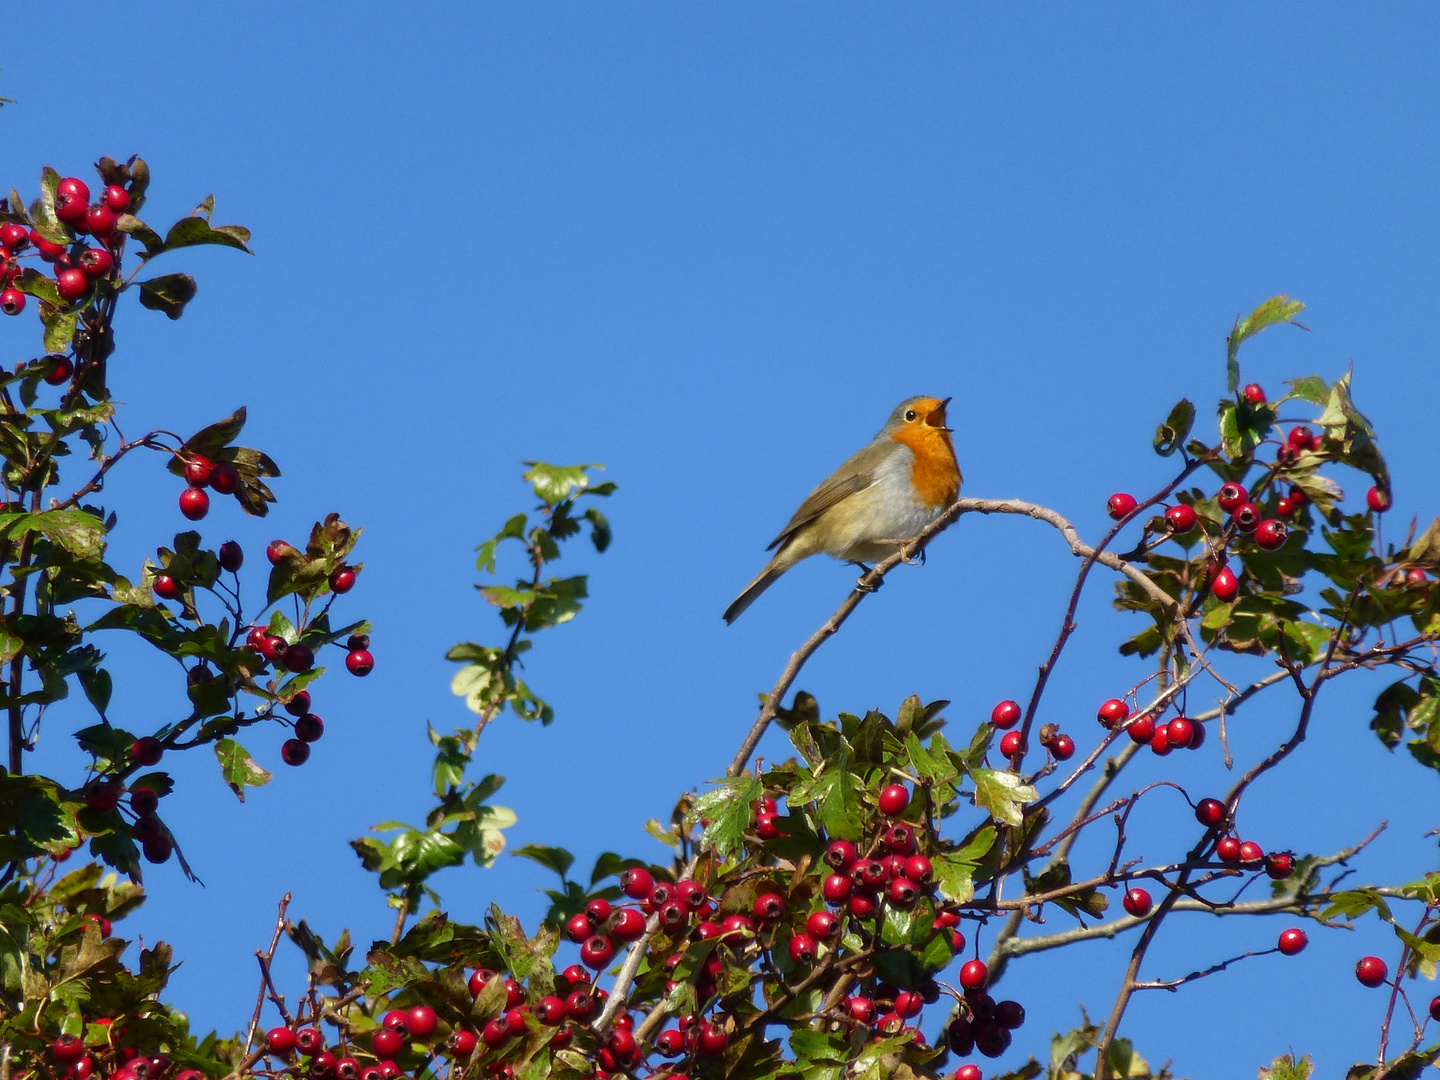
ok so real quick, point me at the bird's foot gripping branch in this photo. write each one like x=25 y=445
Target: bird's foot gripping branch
x=862 y=908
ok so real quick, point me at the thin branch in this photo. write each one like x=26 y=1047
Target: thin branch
x=266 y=958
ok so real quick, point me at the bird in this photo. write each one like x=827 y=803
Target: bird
x=882 y=496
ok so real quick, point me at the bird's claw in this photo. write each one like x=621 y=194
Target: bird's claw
x=864 y=586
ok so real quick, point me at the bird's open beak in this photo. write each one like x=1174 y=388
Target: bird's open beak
x=937 y=416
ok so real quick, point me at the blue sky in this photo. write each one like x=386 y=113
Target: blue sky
x=711 y=248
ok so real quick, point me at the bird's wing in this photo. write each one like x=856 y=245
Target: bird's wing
x=857 y=474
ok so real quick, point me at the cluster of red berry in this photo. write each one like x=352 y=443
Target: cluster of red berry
x=77 y=266
x=104 y=797
x=222 y=477
x=1179 y=733
x=77 y=1063
x=418 y=1023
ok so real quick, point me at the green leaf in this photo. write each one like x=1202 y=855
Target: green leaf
x=552 y=858
x=556 y=483
x=59 y=328
x=239 y=768
x=1171 y=435
x=130 y=225
x=168 y=293
x=727 y=807
x=97 y=684
x=78 y=531
x=1311 y=388
x=1276 y=310
x=955 y=876
x=187 y=232
x=1002 y=794
x=1285 y=1067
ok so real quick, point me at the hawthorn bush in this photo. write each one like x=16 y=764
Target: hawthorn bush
x=813 y=915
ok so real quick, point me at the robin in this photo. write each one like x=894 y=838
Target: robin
x=880 y=498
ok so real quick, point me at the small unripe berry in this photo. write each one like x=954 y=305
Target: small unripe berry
x=1120 y=505
x=1005 y=715
x=1137 y=902
x=1181 y=518
x=1292 y=941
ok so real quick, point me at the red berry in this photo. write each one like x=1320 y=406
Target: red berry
x=919 y=869
x=1160 y=741
x=1250 y=853
x=99 y=220
x=1279 y=864
x=870 y=873
x=712 y=1039
x=387 y=1043
x=836 y=889
x=636 y=883
x=1230 y=496
x=1010 y=1015
x=14 y=236
x=1435 y=1008
x=359 y=662
x=102 y=797
x=670 y=1042
x=71 y=284
x=71 y=209
x=12 y=301
x=597 y=951
x=143 y=800
x=198 y=470
x=1254 y=394
x=60 y=370
x=1141 y=729
x=767 y=826
x=421 y=1021
x=166 y=587
x=147 y=750
x=494 y=1033
x=1011 y=744
x=49 y=250
x=802 y=949
x=272 y=647
x=969 y=1071
x=861 y=1009
x=903 y=892
x=1063 y=747
x=1371 y=971
x=275 y=551
x=894 y=799
x=158 y=850
x=299 y=658
x=194 y=503
x=863 y=904
x=1005 y=715
x=769 y=907
x=840 y=855
x=1120 y=505
x=68 y=1048
x=822 y=926
x=342 y=580
x=1299 y=437
x=1284 y=507
x=309 y=728
x=280 y=1040
x=1112 y=712
x=1137 y=902
x=1378 y=500
x=117 y=198
x=1179 y=731
x=1247 y=517
x=294 y=752
x=578 y=928
x=974 y=975
x=1292 y=941
x=1181 y=518
x=1271 y=534
x=1197 y=737
x=309 y=1041
x=75 y=187
x=225 y=478
x=103 y=923
x=232 y=557
x=1227 y=849
x=1226 y=585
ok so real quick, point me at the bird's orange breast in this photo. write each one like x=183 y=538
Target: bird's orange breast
x=933 y=471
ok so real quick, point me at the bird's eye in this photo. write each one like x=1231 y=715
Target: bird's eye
x=909 y=414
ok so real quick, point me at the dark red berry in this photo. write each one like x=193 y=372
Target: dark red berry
x=823 y=926
x=387 y=1043
x=15 y=237
x=1254 y=394
x=1292 y=941
x=1063 y=747
x=67 y=1048
x=309 y=1041
x=1180 y=732
x=99 y=220
x=1230 y=496
x=894 y=799
x=147 y=750
x=143 y=800
x=60 y=370
x=1378 y=500
x=309 y=728
x=1141 y=729
x=12 y=301
x=225 y=479
x=769 y=907
x=359 y=662
x=1284 y=507
x=1247 y=517
x=1120 y=505
x=1181 y=518
x=299 y=658
x=840 y=855
x=342 y=580
x=95 y=262
x=198 y=470
x=1299 y=437
x=767 y=826
x=117 y=198
x=836 y=889
x=1227 y=849
x=1279 y=864
x=919 y=869
x=1005 y=715
x=1011 y=744
x=802 y=949
x=1371 y=971
x=295 y=752
x=102 y=797
x=1137 y=903
x=166 y=587
x=1435 y=1008
x=158 y=850
x=597 y=951
x=1250 y=853
x=232 y=557
x=1160 y=741
x=194 y=503
x=280 y=1040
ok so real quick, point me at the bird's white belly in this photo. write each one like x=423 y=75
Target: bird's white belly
x=887 y=510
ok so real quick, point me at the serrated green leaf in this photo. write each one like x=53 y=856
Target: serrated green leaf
x=1002 y=794
x=239 y=768
x=1276 y=310
x=1171 y=435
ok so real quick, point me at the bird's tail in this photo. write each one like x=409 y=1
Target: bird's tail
x=754 y=589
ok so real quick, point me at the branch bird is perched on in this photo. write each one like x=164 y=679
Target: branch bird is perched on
x=881 y=497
